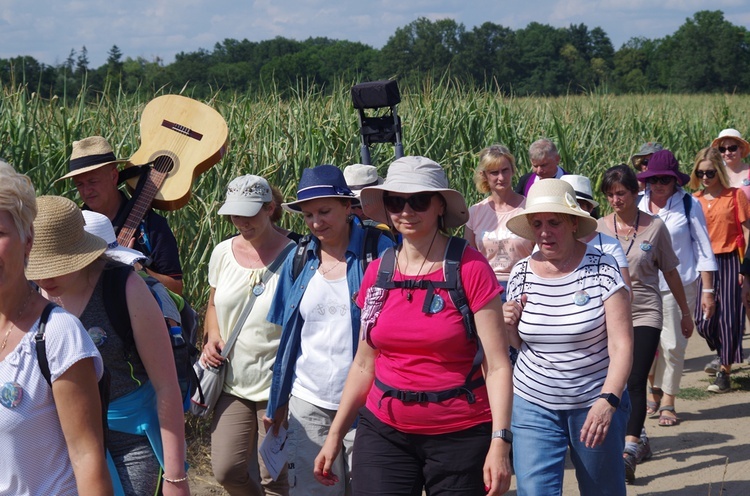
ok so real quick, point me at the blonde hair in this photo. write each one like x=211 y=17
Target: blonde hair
x=18 y=198
x=489 y=158
x=714 y=156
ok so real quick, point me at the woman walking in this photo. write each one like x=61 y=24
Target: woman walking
x=235 y=272
x=648 y=248
x=727 y=210
x=426 y=418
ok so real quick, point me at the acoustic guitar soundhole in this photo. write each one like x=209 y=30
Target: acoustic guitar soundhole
x=165 y=162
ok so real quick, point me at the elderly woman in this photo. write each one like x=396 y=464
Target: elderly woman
x=568 y=312
x=64 y=418
x=486 y=230
x=146 y=439
x=314 y=305
x=235 y=272
x=429 y=417
x=733 y=148
x=683 y=217
x=727 y=211
x=648 y=248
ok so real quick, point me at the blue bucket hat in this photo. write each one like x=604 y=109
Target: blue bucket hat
x=322 y=181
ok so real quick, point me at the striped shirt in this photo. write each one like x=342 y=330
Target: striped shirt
x=564 y=359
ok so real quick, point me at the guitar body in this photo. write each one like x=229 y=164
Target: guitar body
x=183 y=136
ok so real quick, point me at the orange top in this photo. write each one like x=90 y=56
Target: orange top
x=721 y=218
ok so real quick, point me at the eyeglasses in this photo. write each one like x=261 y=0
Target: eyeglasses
x=730 y=148
x=659 y=179
x=710 y=174
x=418 y=202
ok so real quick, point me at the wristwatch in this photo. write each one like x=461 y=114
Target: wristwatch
x=503 y=434
x=611 y=399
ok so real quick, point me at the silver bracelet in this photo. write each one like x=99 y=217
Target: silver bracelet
x=174 y=481
x=707 y=291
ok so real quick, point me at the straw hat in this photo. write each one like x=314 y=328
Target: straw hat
x=100 y=226
x=61 y=244
x=735 y=135
x=246 y=196
x=360 y=176
x=664 y=163
x=89 y=154
x=414 y=174
x=551 y=196
x=322 y=181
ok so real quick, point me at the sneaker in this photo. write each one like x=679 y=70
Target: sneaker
x=630 y=464
x=721 y=384
x=643 y=452
x=712 y=367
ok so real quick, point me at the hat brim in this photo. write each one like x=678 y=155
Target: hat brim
x=295 y=207
x=456 y=211
x=127 y=256
x=682 y=178
x=519 y=224
x=241 y=208
x=744 y=144
x=49 y=265
x=89 y=168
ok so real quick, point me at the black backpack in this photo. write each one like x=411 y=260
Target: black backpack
x=368 y=254
x=41 y=355
x=184 y=350
x=453 y=284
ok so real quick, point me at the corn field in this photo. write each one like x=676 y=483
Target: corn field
x=276 y=137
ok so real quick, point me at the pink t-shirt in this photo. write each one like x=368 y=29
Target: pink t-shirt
x=428 y=352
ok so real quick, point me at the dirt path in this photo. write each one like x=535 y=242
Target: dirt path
x=706 y=454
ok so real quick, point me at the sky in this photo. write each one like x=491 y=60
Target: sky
x=158 y=29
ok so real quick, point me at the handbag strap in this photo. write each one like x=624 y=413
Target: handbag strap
x=741 y=234
x=271 y=270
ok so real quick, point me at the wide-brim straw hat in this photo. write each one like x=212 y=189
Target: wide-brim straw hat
x=551 y=196
x=100 y=226
x=735 y=135
x=322 y=181
x=89 y=154
x=61 y=244
x=664 y=163
x=413 y=174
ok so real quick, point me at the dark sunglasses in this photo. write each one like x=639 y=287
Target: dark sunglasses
x=730 y=148
x=709 y=174
x=644 y=161
x=660 y=179
x=418 y=202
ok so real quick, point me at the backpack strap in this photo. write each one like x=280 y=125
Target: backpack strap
x=300 y=256
x=452 y=274
x=687 y=204
x=41 y=348
x=114 y=280
x=370 y=245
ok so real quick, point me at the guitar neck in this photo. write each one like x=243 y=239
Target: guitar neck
x=143 y=200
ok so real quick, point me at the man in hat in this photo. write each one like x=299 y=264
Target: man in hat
x=545 y=164
x=641 y=158
x=93 y=168
x=360 y=176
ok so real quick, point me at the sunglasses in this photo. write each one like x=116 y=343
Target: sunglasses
x=730 y=148
x=659 y=179
x=419 y=202
x=644 y=161
x=708 y=173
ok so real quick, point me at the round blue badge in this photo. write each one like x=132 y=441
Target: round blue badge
x=437 y=304
x=11 y=395
x=746 y=182
x=259 y=288
x=580 y=298
x=98 y=336
x=646 y=246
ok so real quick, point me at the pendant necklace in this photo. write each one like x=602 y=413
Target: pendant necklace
x=324 y=272
x=410 y=290
x=634 y=228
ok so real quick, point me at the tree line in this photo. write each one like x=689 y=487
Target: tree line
x=706 y=54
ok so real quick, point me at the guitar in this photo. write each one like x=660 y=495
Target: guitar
x=181 y=138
